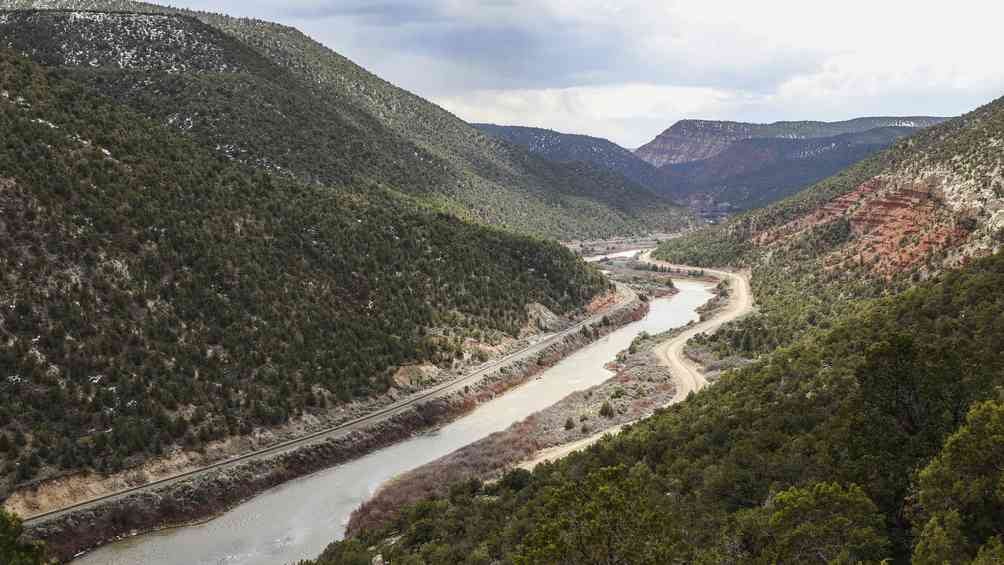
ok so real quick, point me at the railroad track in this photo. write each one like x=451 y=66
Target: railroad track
x=626 y=297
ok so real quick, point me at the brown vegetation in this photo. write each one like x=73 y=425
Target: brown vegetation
x=639 y=387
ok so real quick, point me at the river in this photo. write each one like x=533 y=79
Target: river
x=299 y=519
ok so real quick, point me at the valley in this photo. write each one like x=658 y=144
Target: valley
x=719 y=169
x=300 y=523
x=363 y=296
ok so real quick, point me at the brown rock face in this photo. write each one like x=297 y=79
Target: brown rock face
x=691 y=140
x=696 y=140
x=896 y=224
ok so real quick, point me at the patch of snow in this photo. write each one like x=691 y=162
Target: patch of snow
x=45 y=122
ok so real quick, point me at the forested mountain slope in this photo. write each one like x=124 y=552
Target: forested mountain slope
x=329 y=118
x=567 y=147
x=155 y=293
x=876 y=438
x=183 y=73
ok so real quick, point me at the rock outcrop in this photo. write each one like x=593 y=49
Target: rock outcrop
x=695 y=140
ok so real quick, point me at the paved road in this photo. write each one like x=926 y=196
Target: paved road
x=625 y=296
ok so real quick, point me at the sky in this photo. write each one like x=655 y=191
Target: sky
x=628 y=70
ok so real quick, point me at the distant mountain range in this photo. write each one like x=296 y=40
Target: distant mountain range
x=719 y=168
x=752 y=173
x=695 y=140
x=568 y=147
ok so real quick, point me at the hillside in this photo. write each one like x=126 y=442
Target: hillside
x=931 y=202
x=268 y=95
x=156 y=293
x=902 y=204
x=878 y=438
x=751 y=173
x=694 y=140
x=566 y=147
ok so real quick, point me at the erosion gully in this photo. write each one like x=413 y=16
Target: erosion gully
x=299 y=519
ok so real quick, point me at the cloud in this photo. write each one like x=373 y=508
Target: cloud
x=618 y=111
x=628 y=69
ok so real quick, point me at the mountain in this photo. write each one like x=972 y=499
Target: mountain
x=751 y=173
x=926 y=203
x=931 y=202
x=567 y=147
x=158 y=293
x=720 y=168
x=865 y=423
x=268 y=95
x=695 y=140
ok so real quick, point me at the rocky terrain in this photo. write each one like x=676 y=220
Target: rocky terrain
x=696 y=140
x=931 y=203
x=938 y=200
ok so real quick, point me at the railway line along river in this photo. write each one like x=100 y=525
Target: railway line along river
x=299 y=519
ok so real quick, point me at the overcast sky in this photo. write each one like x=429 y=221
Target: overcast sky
x=627 y=70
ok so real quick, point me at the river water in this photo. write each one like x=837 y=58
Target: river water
x=299 y=519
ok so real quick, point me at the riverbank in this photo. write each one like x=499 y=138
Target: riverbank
x=731 y=301
x=651 y=374
x=211 y=492
x=638 y=386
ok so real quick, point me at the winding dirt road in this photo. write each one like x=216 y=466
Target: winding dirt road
x=686 y=373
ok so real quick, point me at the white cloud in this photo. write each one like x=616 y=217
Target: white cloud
x=627 y=69
x=618 y=112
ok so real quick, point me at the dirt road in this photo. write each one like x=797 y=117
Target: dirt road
x=686 y=374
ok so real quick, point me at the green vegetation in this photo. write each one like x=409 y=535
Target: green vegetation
x=960 y=493
x=809 y=455
x=270 y=96
x=13 y=549
x=965 y=145
x=797 y=292
x=568 y=148
x=155 y=293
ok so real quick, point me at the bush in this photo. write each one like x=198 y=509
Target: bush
x=607 y=411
